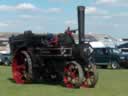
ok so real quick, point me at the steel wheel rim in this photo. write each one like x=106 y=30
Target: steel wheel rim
x=90 y=78
x=19 y=68
x=72 y=75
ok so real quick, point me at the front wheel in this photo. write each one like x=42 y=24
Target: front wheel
x=90 y=76
x=7 y=62
x=73 y=75
x=115 y=65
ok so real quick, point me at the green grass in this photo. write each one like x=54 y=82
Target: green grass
x=111 y=83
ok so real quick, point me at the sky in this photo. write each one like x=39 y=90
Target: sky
x=53 y=16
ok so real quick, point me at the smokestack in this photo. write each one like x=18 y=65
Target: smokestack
x=81 y=14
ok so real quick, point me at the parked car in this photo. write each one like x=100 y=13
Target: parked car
x=107 y=57
x=5 y=56
x=124 y=59
x=5 y=59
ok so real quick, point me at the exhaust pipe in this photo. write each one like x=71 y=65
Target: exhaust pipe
x=81 y=14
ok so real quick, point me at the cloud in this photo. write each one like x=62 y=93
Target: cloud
x=21 y=6
x=25 y=16
x=53 y=10
x=59 y=0
x=90 y=10
x=122 y=14
x=107 y=17
x=103 y=17
x=121 y=3
x=70 y=22
x=3 y=24
x=114 y=3
x=28 y=7
x=116 y=25
x=6 y=8
x=38 y=28
x=94 y=10
x=106 y=1
x=25 y=6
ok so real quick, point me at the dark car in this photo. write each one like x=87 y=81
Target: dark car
x=124 y=54
x=124 y=59
x=107 y=57
x=5 y=59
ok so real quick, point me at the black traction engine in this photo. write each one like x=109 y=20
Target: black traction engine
x=54 y=57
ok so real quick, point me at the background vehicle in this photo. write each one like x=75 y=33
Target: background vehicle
x=107 y=57
x=5 y=59
x=124 y=58
x=124 y=54
x=53 y=58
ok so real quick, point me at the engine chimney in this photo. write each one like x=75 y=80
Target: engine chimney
x=81 y=14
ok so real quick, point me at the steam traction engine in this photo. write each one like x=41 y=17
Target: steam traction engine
x=54 y=58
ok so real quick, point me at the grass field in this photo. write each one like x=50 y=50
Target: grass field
x=111 y=83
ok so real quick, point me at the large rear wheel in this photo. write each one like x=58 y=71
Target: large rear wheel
x=22 y=67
